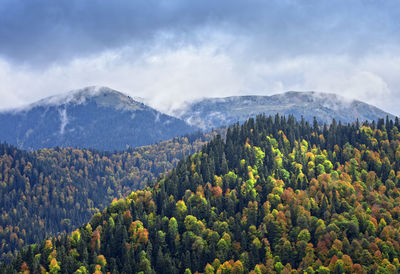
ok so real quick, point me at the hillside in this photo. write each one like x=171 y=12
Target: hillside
x=49 y=191
x=215 y=112
x=277 y=196
x=99 y=118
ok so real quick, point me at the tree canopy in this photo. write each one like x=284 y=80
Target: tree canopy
x=274 y=196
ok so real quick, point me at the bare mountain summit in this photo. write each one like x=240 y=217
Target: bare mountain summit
x=215 y=112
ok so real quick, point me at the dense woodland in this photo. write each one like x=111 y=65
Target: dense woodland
x=277 y=196
x=49 y=191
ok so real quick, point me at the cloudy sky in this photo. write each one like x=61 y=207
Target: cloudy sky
x=171 y=51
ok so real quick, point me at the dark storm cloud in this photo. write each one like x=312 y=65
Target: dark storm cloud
x=43 y=32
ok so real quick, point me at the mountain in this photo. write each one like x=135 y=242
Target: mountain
x=273 y=196
x=46 y=192
x=92 y=117
x=215 y=112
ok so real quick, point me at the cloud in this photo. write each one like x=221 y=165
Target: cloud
x=172 y=51
x=168 y=78
x=44 y=32
x=64 y=120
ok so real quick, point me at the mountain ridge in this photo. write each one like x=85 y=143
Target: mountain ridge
x=103 y=118
x=93 y=117
x=213 y=112
x=78 y=96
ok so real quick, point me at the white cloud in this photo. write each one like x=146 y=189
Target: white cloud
x=168 y=77
x=64 y=120
x=172 y=51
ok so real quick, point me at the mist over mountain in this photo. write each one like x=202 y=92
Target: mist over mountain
x=103 y=118
x=215 y=112
x=93 y=117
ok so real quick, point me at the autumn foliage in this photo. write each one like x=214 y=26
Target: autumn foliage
x=273 y=196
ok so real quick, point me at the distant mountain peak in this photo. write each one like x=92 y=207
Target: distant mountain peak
x=103 y=96
x=214 y=112
x=92 y=117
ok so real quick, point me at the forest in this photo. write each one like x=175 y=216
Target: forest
x=51 y=191
x=274 y=195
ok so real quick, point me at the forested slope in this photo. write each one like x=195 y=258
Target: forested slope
x=49 y=191
x=276 y=197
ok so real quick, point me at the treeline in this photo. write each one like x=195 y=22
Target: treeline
x=49 y=191
x=275 y=196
